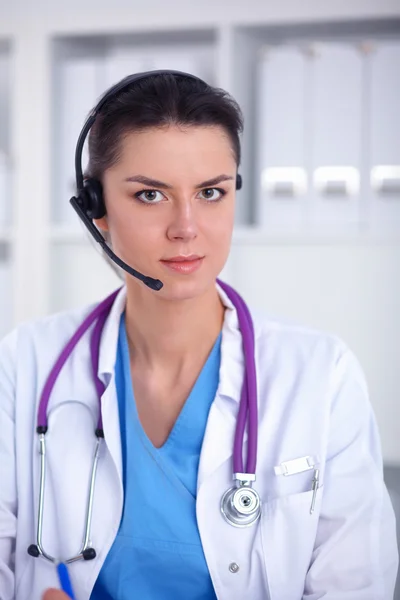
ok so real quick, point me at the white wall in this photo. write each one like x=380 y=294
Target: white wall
x=174 y=11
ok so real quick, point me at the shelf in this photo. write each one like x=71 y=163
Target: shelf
x=66 y=234
x=59 y=234
x=257 y=236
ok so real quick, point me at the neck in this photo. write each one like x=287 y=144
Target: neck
x=171 y=334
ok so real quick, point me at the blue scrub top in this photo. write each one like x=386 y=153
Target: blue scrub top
x=157 y=553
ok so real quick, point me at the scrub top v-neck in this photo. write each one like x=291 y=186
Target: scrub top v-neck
x=157 y=554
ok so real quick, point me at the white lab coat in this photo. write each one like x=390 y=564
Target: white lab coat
x=312 y=401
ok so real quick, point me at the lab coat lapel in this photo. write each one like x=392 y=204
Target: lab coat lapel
x=220 y=431
x=106 y=372
x=218 y=440
x=111 y=425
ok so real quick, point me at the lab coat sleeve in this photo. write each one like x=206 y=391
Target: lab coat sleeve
x=355 y=555
x=8 y=494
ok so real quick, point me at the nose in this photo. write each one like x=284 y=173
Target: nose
x=183 y=224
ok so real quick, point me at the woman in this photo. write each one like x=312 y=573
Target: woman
x=166 y=151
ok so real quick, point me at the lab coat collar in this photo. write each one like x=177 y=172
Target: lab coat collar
x=232 y=361
x=231 y=369
x=219 y=436
x=109 y=338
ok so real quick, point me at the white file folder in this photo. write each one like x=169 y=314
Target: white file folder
x=79 y=81
x=196 y=60
x=336 y=137
x=123 y=60
x=127 y=59
x=6 y=203
x=5 y=177
x=384 y=122
x=4 y=99
x=282 y=181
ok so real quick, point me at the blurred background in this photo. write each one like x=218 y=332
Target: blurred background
x=317 y=236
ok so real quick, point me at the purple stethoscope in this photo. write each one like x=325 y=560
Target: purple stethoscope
x=240 y=504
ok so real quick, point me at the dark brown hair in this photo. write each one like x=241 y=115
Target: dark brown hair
x=156 y=101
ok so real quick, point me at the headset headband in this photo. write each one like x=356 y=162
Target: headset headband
x=111 y=93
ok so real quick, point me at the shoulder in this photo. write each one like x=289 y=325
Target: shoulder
x=276 y=336
x=43 y=334
x=306 y=357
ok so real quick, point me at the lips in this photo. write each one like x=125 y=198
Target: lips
x=189 y=258
x=183 y=264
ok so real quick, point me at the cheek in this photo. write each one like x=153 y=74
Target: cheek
x=219 y=239
x=137 y=225
x=221 y=225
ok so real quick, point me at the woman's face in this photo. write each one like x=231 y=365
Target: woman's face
x=170 y=196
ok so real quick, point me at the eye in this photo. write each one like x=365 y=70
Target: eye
x=149 y=196
x=212 y=194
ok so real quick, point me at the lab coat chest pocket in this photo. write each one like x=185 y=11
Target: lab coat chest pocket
x=288 y=531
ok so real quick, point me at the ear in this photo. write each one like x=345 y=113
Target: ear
x=101 y=223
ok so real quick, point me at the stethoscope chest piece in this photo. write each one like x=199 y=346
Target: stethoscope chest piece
x=241 y=506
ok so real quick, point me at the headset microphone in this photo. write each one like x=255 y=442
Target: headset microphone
x=154 y=284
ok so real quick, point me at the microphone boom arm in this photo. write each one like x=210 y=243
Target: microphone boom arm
x=154 y=284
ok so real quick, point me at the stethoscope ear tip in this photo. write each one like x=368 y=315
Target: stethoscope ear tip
x=89 y=554
x=33 y=550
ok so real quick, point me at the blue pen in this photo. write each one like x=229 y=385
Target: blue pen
x=65 y=581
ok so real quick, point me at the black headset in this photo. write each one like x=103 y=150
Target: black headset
x=89 y=200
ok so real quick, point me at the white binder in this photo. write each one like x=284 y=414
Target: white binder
x=4 y=99
x=122 y=60
x=125 y=59
x=336 y=137
x=384 y=138
x=6 y=203
x=282 y=181
x=5 y=177
x=79 y=82
x=197 y=60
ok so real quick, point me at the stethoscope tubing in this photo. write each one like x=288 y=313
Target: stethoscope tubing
x=248 y=402
x=104 y=306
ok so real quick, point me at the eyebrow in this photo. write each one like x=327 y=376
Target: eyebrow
x=160 y=184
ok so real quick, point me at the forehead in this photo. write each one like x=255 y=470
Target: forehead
x=174 y=144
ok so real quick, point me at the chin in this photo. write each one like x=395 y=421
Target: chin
x=186 y=289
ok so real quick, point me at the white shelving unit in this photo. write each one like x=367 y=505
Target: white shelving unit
x=324 y=96
x=64 y=57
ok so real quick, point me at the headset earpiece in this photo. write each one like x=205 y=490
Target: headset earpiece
x=239 y=182
x=95 y=207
